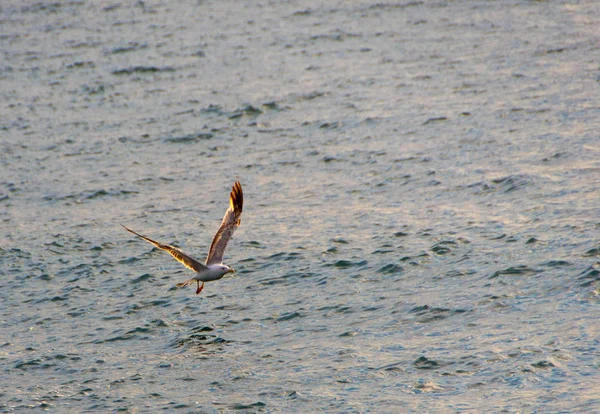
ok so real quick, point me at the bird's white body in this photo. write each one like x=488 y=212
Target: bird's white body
x=212 y=272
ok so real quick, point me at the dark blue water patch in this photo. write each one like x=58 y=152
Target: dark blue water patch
x=288 y=278
x=510 y=183
x=26 y=365
x=150 y=179
x=139 y=329
x=443 y=247
x=190 y=138
x=121 y=381
x=413 y=260
x=593 y=252
x=543 y=364
x=345 y=264
x=329 y=159
x=383 y=251
x=142 y=70
x=502 y=185
x=129 y=260
x=45 y=277
x=252 y=406
x=332 y=309
x=57 y=298
x=427 y=314
x=113 y=318
x=283 y=256
x=199 y=341
x=521 y=270
x=271 y=105
x=254 y=244
x=161 y=303
x=372 y=308
x=131 y=47
x=159 y=323
x=202 y=328
x=459 y=273
x=54 y=243
x=394 y=366
x=288 y=316
x=435 y=120
x=143 y=278
x=589 y=276
x=247 y=111
x=289 y=163
x=275 y=281
x=425 y=363
x=131 y=335
x=14 y=253
x=81 y=64
x=235 y=322
x=322 y=281
x=89 y=195
x=391 y=268
x=556 y=263
x=494 y=301
x=555 y=156
x=45 y=362
x=232 y=307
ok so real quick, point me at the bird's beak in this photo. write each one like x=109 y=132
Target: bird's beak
x=230 y=271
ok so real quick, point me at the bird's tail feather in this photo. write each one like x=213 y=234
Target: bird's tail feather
x=187 y=282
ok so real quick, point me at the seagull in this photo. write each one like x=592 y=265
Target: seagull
x=213 y=269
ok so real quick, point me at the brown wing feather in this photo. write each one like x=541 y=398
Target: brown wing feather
x=230 y=222
x=180 y=256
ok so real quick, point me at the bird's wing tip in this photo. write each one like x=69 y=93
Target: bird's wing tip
x=236 y=198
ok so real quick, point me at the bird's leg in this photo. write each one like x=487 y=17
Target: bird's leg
x=199 y=287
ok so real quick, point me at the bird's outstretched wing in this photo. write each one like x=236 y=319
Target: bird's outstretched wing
x=180 y=256
x=231 y=221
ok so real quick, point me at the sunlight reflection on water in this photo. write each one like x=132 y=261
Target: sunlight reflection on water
x=419 y=229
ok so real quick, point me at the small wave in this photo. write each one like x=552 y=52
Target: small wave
x=593 y=252
x=425 y=363
x=391 y=268
x=199 y=337
x=443 y=247
x=345 y=264
x=89 y=195
x=589 y=276
x=427 y=314
x=142 y=278
x=502 y=185
x=514 y=270
x=287 y=316
x=190 y=138
x=556 y=263
x=142 y=70
x=283 y=256
x=252 y=406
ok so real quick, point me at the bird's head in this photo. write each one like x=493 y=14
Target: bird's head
x=226 y=269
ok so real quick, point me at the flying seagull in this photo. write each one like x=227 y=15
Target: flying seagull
x=213 y=269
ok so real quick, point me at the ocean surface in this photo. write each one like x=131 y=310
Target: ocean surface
x=421 y=227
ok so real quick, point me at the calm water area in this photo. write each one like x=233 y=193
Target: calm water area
x=421 y=226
